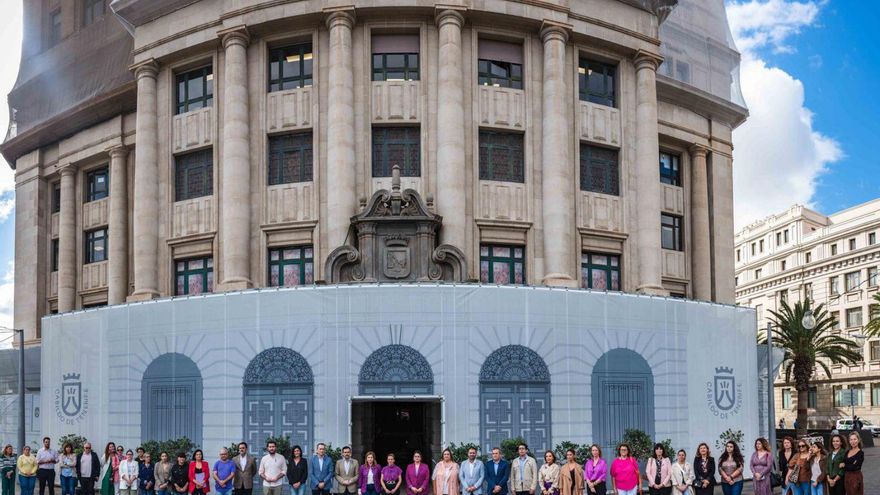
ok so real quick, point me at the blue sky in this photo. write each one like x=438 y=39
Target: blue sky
x=809 y=75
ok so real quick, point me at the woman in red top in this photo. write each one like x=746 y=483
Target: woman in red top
x=198 y=474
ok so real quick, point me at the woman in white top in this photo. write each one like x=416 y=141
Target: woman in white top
x=548 y=475
x=128 y=475
x=682 y=475
x=446 y=476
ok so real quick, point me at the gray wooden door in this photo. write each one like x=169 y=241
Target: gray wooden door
x=623 y=397
x=513 y=410
x=171 y=399
x=272 y=411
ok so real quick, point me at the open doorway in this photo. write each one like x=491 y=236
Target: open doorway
x=396 y=426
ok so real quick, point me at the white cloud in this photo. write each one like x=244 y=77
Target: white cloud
x=778 y=156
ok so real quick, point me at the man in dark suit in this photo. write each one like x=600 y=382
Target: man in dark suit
x=245 y=470
x=88 y=469
x=497 y=474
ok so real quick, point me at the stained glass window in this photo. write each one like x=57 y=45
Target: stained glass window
x=599 y=170
x=600 y=271
x=291 y=265
x=501 y=156
x=290 y=158
x=502 y=264
x=194 y=175
x=396 y=146
x=195 y=89
x=290 y=67
x=194 y=276
x=596 y=82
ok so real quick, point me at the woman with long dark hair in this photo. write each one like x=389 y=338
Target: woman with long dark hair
x=298 y=471
x=761 y=465
x=658 y=472
x=799 y=470
x=682 y=475
x=834 y=471
x=818 y=469
x=67 y=460
x=571 y=476
x=199 y=473
x=786 y=454
x=109 y=469
x=548 y=475
x=704 y=471
x=730 y=466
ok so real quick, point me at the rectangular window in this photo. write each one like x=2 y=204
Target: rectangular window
x=54 y=255
x=290 y=67
x=194 y=276
x=875 y=394
x=500 y=64
x=600 y=271
x=874 y=350
x=738 y=255
x=92 y=11
x=290 y=158
x=501 y=156
x=397 y=146
x=872 y=239
x=96 y=246
x=757 y=273
x=833 y=249
x=835 y=320
x=195 y=89
x=671 y=232
x=785 y=236
x=759 y=312
x=779 y=238
x=786 y=398
x=502 y=264
x=834 y=285
x=853 y=317
x=54 y=27
x=761 y=245
x=290 y=266
x=97 y=184
x=852 y=244
x=600 y=171
x=753 y=249
x=857 y=394
x=670 y=172
x=395 y=57
x=812 y=398
x=841 y=396
x=852 y=281
x=782 y=265
x=56 y=197
x=808 y=257
x=783 y=296
x=808 y=291
x=596 y=82
x=872 y=276
x=194 y=175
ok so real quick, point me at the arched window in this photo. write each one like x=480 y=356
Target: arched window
x=623 y=397
x=396 y=370
x=171 y=399
x=278 y=394
x=515 y=398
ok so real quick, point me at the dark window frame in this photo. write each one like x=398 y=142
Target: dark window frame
x=587 y=69
x=495 y=142
x=490 y=258
x=588 y=264
x=278 y=56
x=206 y=270
x=92 y=11
x=185 y=103
x=671 y=174
x=302 y=261
x=282 y=146
x=93 y=191
x=55 y=247
x=56 y=197
x=595 y=158
x=407 y=137
x=511 y=78
x=410 y=68
x=91 y=241
x=186 y=164
x=676 y=224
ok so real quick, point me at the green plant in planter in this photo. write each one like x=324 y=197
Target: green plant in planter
x=581 y=451
x=171 y=447
x=460 y=451
x=729 y=435
x=641 y=445
x=74 y=440
x=508 y=447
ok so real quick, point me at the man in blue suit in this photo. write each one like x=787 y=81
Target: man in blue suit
x=321 y=471
x=497 y=474
x=471 y=474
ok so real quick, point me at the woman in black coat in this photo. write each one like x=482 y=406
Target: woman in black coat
x=704 y=471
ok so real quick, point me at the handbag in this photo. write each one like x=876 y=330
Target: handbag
x=775 y=479
x=793 y=476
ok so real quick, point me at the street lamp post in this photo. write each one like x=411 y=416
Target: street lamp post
x=20 y=333
x=771 y=399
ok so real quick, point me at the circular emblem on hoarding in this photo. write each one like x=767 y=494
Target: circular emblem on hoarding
x=723 y=394
x=71 y=399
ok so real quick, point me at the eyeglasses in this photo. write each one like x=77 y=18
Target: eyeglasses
x=802 y=446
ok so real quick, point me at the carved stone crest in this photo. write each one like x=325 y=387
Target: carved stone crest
x=396 y=240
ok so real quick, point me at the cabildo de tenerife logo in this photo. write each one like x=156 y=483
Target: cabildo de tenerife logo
x=71 y=399
x=723 y=394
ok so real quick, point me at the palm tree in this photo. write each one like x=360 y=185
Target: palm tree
x=872 y=329
x=805 y=349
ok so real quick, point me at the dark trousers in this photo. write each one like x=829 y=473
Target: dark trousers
x=666 y=490
x=523 y=493
x=318 y=491
x=46 y=477
x=87 y=486
x=838 y=488
x=242 y=491
x=600 y=489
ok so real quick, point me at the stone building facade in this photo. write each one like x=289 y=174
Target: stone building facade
x=217 y=145
x=832 y=260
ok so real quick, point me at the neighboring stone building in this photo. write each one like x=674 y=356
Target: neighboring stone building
x=831 y=260
x=253 y=145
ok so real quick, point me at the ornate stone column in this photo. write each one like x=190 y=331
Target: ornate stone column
x=117 y=259
x=67 y=240
x=146 y=186
x=648 y=189
x=341 y=190
x=557 y=167
x=235 y=178
x=701 y=263
x=451 y=189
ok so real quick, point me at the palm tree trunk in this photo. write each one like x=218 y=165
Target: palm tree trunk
x=802 y=394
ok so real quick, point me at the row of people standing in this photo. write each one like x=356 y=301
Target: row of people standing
x=807 y=469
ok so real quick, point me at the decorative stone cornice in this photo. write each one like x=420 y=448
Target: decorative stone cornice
x=340 y=16
x=647 y=60
x=552 y=30
x=445 y=14
x=147 y=68
x=236 y=35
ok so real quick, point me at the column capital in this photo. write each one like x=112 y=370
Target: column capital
x=118 y=151
x=236 y=35
x=552 y=30
x=647 y=60
x=698 y=150
x=340 y=16
x=147 y=68
x=67 y=169
x=446 y=14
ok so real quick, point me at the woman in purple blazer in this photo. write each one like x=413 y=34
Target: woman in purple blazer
x=595 y=471
x=417 y=476
x=369 y=476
